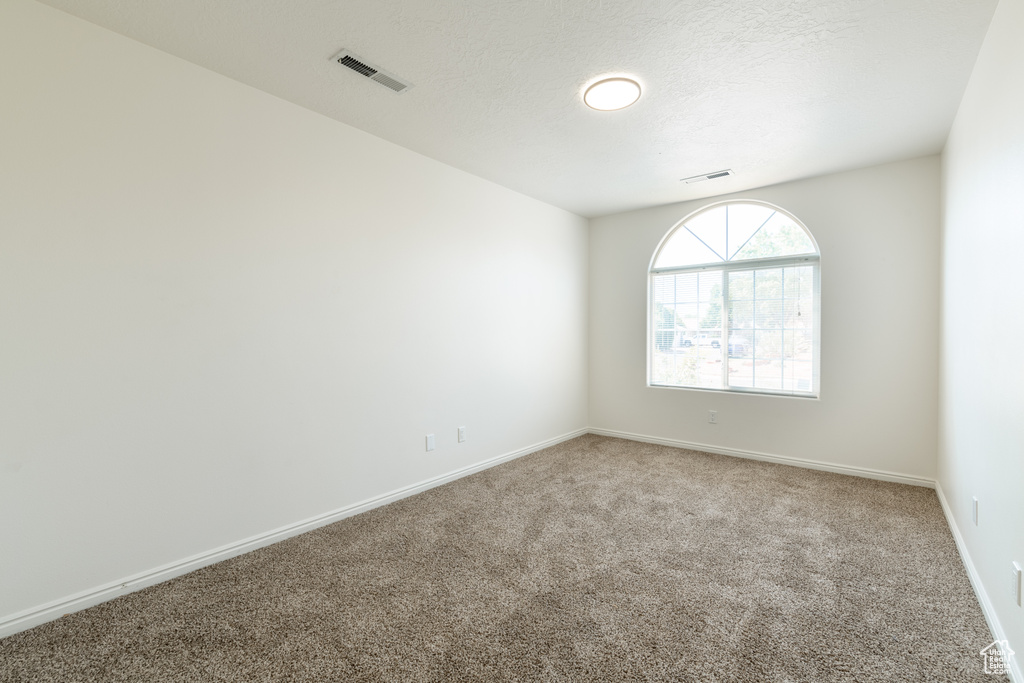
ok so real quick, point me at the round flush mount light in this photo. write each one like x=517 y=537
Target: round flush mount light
x=610 y=94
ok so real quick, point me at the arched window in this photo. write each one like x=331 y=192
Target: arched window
x=760 y=265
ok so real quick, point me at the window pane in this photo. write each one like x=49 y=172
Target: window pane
x=683 y=249
x=744 y=221
x=771 y=328
x=741 y=285
x=663 y=289
x=709 y=331
x=768 y=314
x=710 y=300
x=799 y=281
x=798 y=312
x=768 y=284
x=686 y=330
x=767 y=344
x=741 y=372
x=780 y=236
x=768 y=375
x=741 y=315
x=686 y=287
x=686 y=314
x=710 y=228
x=802 y=342
x=798 y=376
x=741 y=329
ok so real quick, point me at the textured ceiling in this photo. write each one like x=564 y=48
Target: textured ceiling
x=774 y=89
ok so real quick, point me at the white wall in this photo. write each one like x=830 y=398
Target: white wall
x=982 y=399
x=878 y=231
x=221 y=313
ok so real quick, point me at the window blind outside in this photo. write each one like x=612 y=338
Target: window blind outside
x=750 y=324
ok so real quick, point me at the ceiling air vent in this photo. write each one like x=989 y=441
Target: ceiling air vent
x=708 y=176
x=362 y=67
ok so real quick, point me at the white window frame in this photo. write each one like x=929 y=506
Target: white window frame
x=725 y=267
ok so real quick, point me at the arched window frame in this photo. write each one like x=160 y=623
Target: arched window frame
x=727 y=330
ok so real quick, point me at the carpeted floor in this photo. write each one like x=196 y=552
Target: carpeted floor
x=595 y=560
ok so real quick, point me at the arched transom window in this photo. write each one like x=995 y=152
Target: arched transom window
x=760 y=266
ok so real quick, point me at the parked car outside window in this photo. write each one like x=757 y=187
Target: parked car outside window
x=739 y=346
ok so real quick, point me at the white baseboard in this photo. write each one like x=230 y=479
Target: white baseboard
x=34 y=616
x=979 y=589
x=780 y=459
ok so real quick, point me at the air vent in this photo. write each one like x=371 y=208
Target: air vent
x=362 y=67
x=708 y=176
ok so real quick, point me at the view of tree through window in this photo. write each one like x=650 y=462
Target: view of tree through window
x=758 y=266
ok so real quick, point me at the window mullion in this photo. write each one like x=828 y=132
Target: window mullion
x=725 y=330
x=782 y=329
x=816 y=366
x=753 y=330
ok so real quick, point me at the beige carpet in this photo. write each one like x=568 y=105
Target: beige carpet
x=595 y=560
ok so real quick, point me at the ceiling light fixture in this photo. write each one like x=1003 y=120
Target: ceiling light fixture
x=610 y=94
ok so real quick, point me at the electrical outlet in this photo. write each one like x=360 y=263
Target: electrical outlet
x=462 y=434
x=974 y=509
x=713 y=417
x=1015 y=585
x=430 y=442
